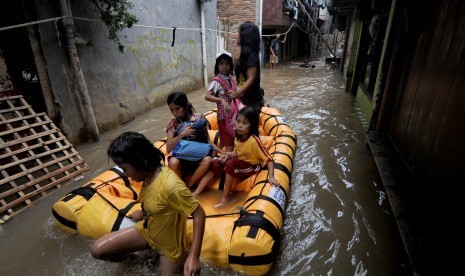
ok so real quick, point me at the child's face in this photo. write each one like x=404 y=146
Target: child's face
x=178 y=112
x=238 y=40
x=130 y=171
x=223 y=66
x=242 y=125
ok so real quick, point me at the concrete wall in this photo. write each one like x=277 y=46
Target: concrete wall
x=122 y=86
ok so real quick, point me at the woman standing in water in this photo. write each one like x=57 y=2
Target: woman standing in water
x=247 y=68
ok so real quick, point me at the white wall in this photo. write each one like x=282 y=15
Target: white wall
x=122 y=86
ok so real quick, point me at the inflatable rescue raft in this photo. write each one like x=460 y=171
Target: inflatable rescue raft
x=245 y=235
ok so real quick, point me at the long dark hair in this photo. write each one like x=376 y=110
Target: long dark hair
x=250 y=42
x=180 y=99
x=135 y=149
x=253 y=117
x=230 y=61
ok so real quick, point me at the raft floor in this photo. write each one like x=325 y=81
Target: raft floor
x=210 y=197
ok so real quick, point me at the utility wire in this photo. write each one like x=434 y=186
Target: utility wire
x=135 y=25
x=98 y=20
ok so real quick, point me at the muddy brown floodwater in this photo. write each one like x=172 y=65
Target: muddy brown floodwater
x=337 y=222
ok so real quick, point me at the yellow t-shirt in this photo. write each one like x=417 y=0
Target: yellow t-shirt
x=252 y=151
x=167 y=203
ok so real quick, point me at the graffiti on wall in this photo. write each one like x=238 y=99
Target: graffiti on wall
x=158 y=62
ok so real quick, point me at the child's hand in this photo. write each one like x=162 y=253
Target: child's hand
x=274 y=182
x=226 y=105
x=137 y=215
x=234 y=94
x=230 y=154
x=223 y=158
x=226 y=156
x=188 y=131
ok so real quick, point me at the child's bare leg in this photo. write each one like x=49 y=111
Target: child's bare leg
x=170 y=268
x=204 y=166
x=175 y=164
x=228 y=183
x=113 y=246
x=203 y=183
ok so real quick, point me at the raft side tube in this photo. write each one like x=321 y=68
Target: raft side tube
x=98 y=217
x=119 y=184
x=113 y=183
x=66 y=210
x=254 y=244
x=212 y=119
x=215 y=239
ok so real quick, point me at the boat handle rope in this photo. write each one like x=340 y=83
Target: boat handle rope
x=259 y=194
x=111 y=204
x=106 y=199
x=125 y=179
x=127 y=183
x=241 y=211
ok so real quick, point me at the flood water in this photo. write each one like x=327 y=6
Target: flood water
x=338 y=220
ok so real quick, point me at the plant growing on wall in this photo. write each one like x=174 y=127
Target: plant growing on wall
x=116 y=16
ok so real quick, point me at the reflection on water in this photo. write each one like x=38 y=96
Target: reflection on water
x=338 y=221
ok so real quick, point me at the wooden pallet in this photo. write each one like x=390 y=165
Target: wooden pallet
x=34 y=156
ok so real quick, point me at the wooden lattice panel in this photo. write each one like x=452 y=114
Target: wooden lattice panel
x=34 y=156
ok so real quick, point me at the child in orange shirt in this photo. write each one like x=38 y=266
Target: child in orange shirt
x=248 y=156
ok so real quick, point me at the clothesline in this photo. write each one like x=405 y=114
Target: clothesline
x=98 y=20
x=135 y=25
x=286 y=32
x=30 y=23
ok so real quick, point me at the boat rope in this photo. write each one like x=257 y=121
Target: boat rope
x=260 y=193
x=241 y=211
x=123 y=212
x=120 y=211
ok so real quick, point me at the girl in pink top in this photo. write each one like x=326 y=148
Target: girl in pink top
x=227 y=108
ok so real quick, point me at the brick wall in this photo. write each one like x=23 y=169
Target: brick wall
x=231 y=14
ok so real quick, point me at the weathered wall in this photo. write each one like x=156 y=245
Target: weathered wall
x=273 y=13
x=122 y=86
x=231 y=14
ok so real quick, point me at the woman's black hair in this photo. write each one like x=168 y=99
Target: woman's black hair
x=253 y=117
x=250 y=42
x=230 y=61
x=180 y=99
x=135 y=149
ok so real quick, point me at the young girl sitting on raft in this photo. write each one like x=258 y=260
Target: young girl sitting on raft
x=248 y=156
x=180 y=127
